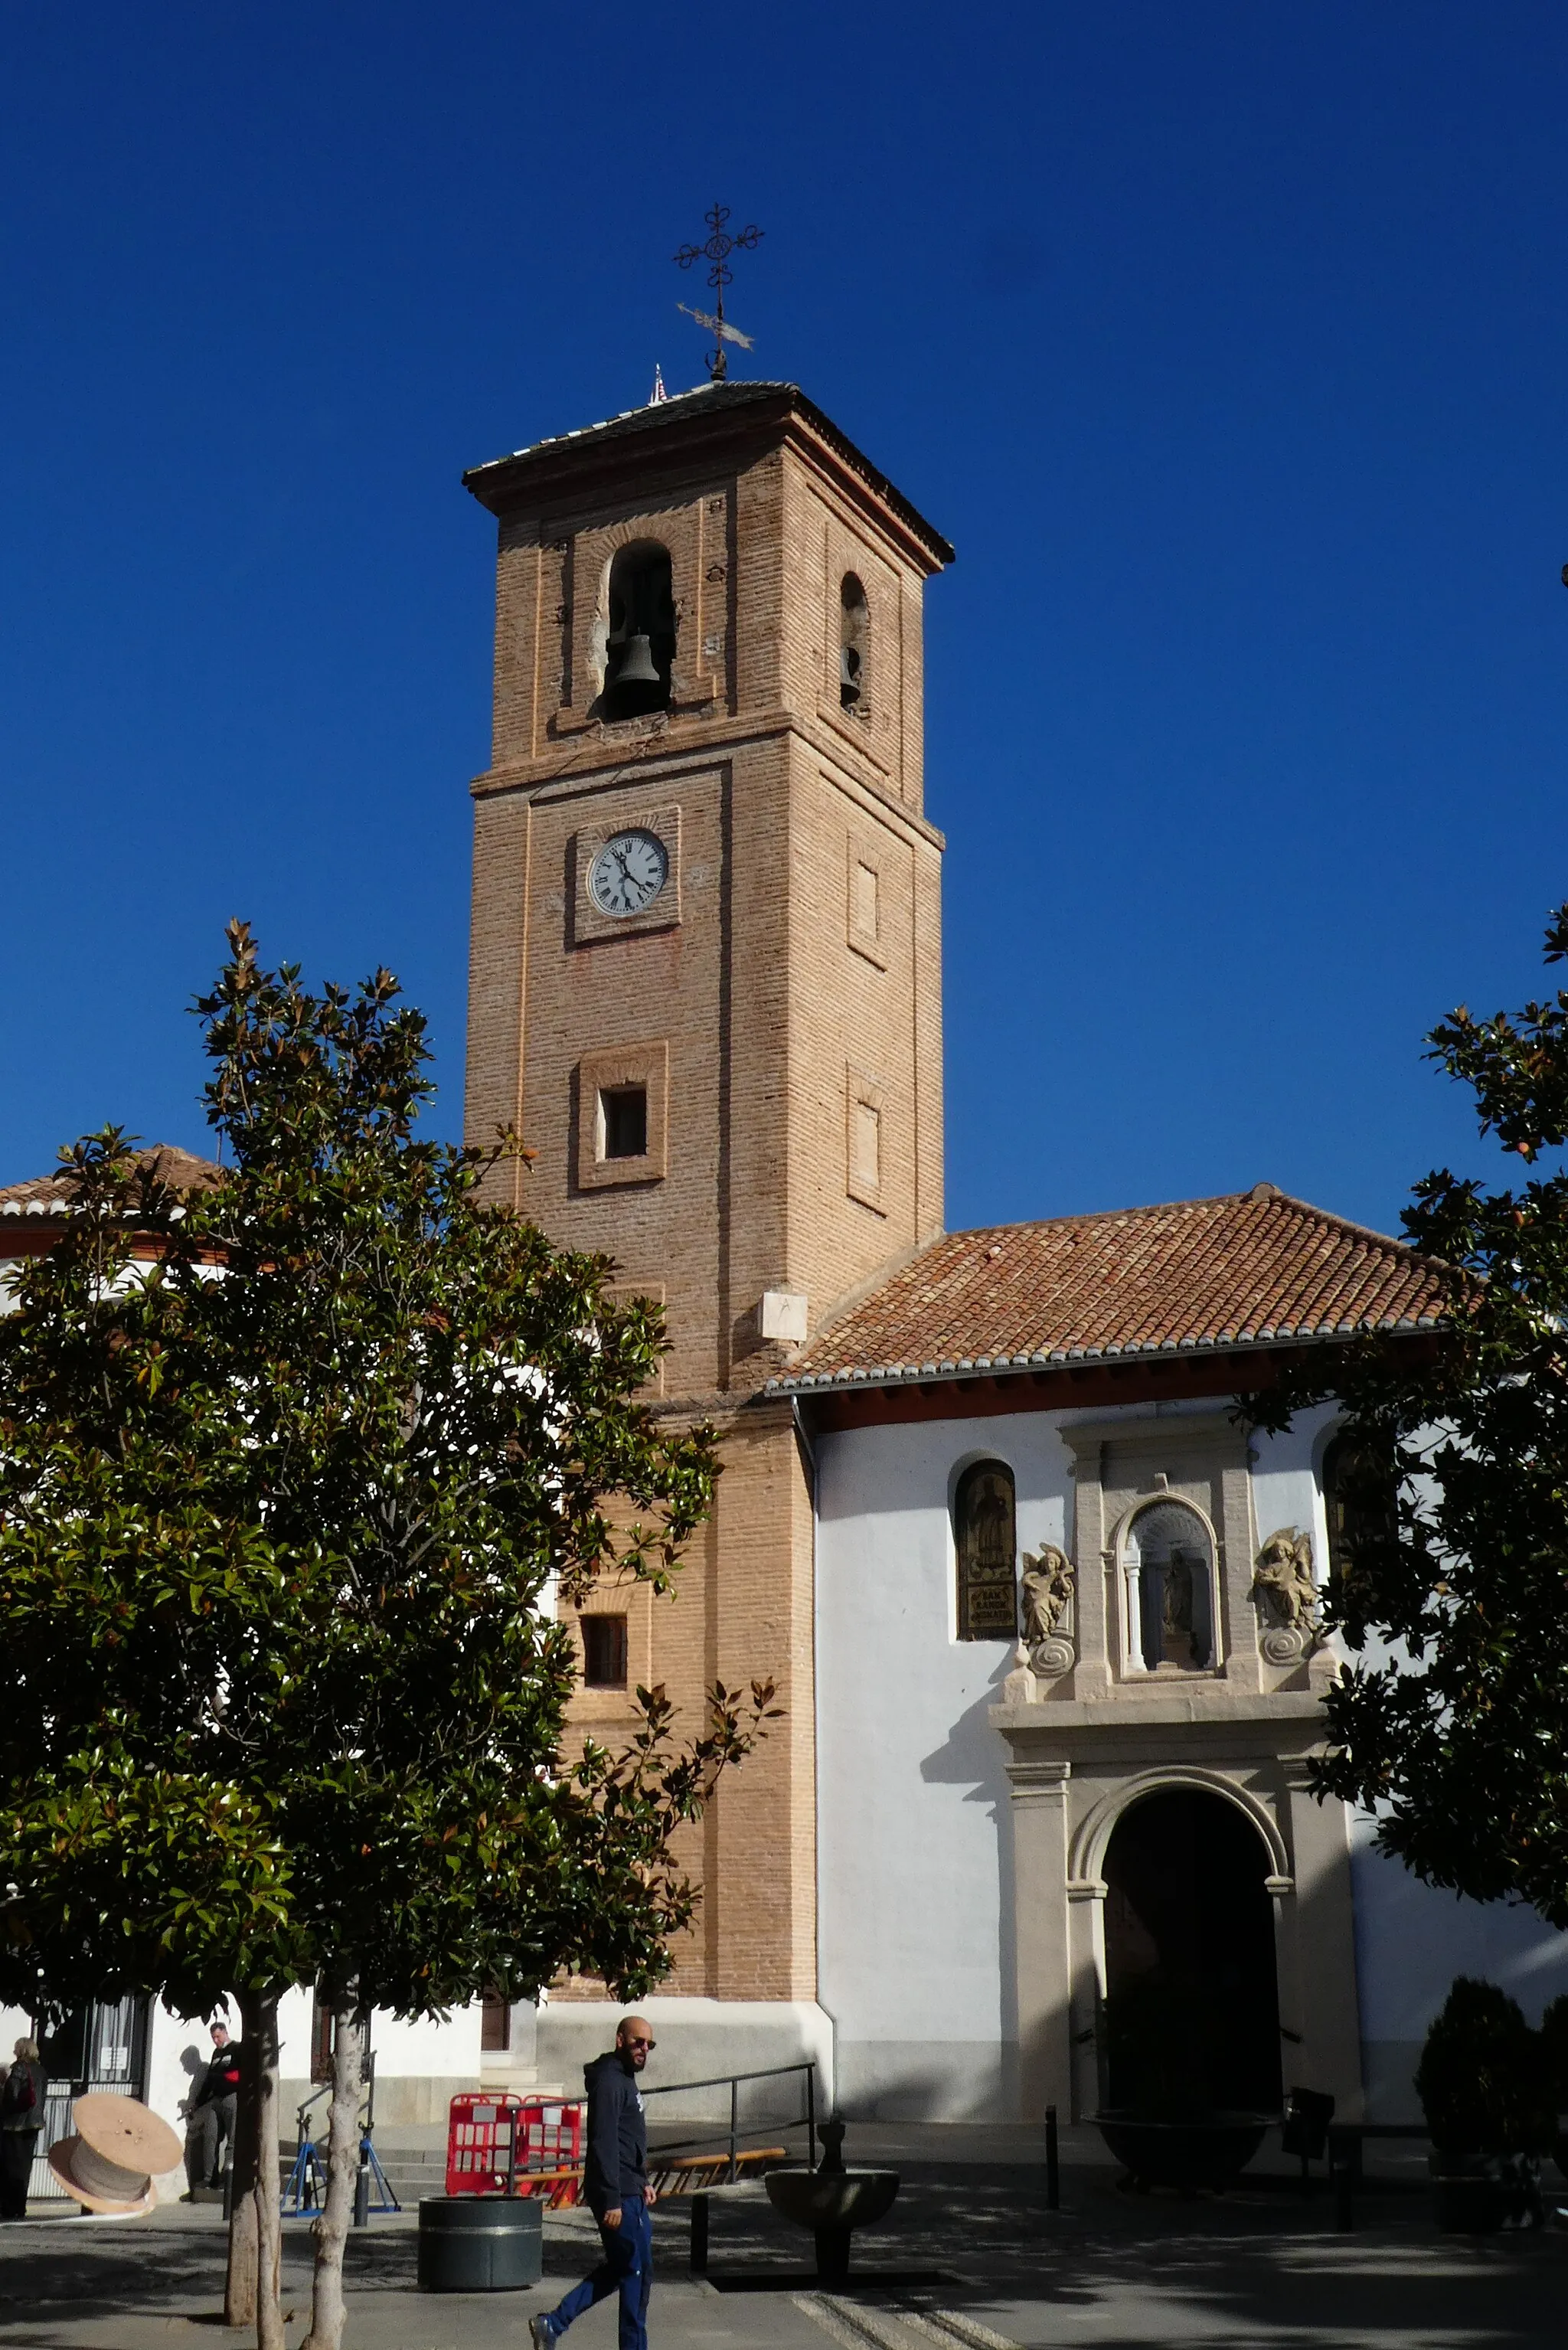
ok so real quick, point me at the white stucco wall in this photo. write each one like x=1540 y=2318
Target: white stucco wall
x=1411 y=1940
x=913 y=1840
x=443 y=2055
x=913 y=1837
x=1285 y=1487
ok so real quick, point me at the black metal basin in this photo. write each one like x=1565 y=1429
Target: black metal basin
x=832 y=2204
x=1206 y=2150
x=832 y=2199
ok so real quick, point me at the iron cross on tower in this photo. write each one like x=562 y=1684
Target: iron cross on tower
x=717 y=252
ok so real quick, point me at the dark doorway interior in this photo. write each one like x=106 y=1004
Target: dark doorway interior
x=100 y=2047
x=1193 y=2015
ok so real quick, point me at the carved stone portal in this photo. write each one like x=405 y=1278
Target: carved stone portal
x=1047 y=1592
x=1285 y=1589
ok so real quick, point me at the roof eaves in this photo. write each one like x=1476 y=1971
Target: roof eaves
x=899 y=1375
x=722 y=400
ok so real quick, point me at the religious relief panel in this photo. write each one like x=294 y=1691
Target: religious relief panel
x=1284 y=1590
x=985 y=1544
x=1048 y=1644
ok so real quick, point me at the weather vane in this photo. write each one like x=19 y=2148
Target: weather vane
x=717 y=252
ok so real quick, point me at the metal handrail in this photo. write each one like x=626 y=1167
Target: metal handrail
x=322 y=2089
x=731 y=2081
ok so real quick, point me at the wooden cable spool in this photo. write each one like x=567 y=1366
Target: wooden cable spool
x=118 y=2148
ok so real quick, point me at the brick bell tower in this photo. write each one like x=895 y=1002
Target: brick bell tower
x=706 y=988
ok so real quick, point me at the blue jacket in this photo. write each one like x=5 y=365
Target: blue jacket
x=616 y=2165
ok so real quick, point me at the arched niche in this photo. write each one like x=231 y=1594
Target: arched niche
x=639 y=641
x=985 y=1552
x=1169 y=1580
x=1360 y=1501
x=854 y=642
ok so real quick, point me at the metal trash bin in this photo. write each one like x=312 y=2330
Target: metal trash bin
x=481 y=2243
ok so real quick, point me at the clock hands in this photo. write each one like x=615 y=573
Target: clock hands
x=628 y=873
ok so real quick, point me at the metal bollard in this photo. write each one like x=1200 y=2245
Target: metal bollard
x=1052 y=2163
x=362 y=2194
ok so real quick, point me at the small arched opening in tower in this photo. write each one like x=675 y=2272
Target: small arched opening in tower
x=640 y=647
x=854 y=642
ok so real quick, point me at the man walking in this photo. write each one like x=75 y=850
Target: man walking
x=618 y=2195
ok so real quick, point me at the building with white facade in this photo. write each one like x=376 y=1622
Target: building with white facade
x=1044 y=1616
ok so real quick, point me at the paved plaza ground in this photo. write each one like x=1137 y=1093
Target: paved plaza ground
x=971 y=2258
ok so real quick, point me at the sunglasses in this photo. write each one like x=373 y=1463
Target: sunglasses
x=636 y=2040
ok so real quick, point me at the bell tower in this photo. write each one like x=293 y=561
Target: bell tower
x=705 y=987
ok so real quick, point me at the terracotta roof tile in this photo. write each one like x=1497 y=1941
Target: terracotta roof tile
x=1252 y=1266
x=48 y=1195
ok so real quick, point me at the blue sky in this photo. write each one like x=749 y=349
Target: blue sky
x=1229 y=343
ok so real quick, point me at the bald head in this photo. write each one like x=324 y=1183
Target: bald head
x=634 y=2041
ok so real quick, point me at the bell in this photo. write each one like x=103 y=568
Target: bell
x=848 y=676
x=636 y=665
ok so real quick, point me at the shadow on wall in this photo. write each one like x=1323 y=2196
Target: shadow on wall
x=192 y=2063
x=1411 y=1941
x=974 y=1756
x=924 y=2081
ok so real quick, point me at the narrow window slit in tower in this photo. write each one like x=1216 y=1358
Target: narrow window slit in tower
x=866 y=910
x=854 y=626
x=867 y=1145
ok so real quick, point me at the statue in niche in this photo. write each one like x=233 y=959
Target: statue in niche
x=1284 y=1576
x=1178 y=1645
x=1047 y=1588
x=1047 y=1591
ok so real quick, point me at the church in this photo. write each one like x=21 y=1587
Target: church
x=1043 y=1616
x=1042 y=1619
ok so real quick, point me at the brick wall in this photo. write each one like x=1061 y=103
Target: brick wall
x=787 y=994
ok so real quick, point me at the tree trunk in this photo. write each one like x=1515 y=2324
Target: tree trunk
x=256 y=2223
x=331 y=2230
x=239 y=2288
x=268 y=2194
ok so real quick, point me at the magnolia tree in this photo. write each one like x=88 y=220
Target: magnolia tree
x=1450 y=1720
x=285 y=1505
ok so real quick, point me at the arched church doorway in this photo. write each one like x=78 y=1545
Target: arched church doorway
x=1192 y=2002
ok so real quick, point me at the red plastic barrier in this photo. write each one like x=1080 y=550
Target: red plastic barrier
x=549 y=2138
x=493 y=2142
x=479 y=2141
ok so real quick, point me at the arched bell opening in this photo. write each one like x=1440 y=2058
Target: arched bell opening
x=640 y=647
x=853 y=634
x=1192 y=2009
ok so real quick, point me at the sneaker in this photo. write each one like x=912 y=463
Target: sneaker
x=543 y=2332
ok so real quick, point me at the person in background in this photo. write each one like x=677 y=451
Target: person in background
x=614 y=2183
x=210 y=2136
x=21 y=2119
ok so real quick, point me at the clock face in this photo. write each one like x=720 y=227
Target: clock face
x=628 y=872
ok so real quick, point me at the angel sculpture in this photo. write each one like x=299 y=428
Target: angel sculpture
x=1285 y=1573
x=1047 y=1587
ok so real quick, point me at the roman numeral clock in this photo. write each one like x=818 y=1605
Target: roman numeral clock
x=628 y=872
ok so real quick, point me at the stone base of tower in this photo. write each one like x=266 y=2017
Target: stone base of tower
x=700 y=2040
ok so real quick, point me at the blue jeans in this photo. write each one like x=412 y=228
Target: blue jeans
x=627 y=2269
